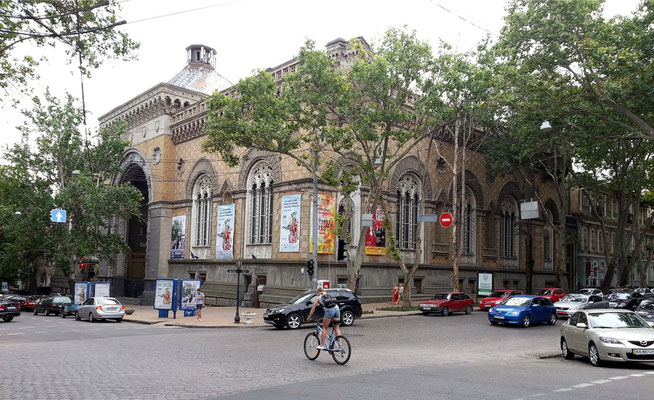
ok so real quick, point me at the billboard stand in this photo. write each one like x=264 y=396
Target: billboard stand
x=187 y=301
x=165 y=296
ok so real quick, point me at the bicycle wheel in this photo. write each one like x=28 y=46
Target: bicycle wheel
x=341 y=350
x=310 y=343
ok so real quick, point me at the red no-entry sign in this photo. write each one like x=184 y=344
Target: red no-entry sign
x=446 y=220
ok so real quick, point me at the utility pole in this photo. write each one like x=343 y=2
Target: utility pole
x=314 y=228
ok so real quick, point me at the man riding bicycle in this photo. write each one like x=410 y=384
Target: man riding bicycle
x=332 y=313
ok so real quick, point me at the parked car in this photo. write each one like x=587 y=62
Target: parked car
x=296 y=312
x=572 y=302
x=607 y=335
x=646 y=311
x=589 y=291
x=98 y=308
x=524 y=310
x=553 y=294
x=496 y=298
x=51 y=305
x=8 y=310
x=447 y=303
x=624 y=300
x=30 y=302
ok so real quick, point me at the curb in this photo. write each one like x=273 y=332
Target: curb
x=216 y=326
x=372 y=316
x=142 y=322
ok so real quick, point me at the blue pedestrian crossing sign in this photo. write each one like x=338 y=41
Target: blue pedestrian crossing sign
x=58 y=215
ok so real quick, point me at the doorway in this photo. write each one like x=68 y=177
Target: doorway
x=260 y=283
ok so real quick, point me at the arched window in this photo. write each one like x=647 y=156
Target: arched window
x=470 y=223
x=548 y=242
x=201 y=231
x=509 y=229
x=408 y=200
x=260 y=200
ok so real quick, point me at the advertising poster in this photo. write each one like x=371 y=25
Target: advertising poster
x=178 y=239
x=485 y=284
x=81 y=292
x=102 y=289
x=187 y=299
x=376 y=236
x=225 y=232
x=163 y=295
x=326 y=224
x=289 y=235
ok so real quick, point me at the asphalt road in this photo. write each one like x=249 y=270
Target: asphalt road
x=457 y=357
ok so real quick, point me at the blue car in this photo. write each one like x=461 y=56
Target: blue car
x=523 y=310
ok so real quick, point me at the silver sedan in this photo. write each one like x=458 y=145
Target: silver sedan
x=607 y=335
x=96 y=308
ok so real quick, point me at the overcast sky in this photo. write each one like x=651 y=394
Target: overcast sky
x=253 y=34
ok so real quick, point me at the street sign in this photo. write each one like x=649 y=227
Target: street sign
x=366 y=220
x=427 y=218
x=446 y=219
x=529 y=210
x=5 y=286
x=238 y=271
x=58 y=215
x=484 y=283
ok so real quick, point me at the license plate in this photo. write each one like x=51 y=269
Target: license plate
x=499 y=317
x=11 y=308
x=643 y=351
x=427 y=307
x=560 y=312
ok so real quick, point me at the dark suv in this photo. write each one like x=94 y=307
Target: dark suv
x=8 y=310
x=52 y=305
x=296 y=312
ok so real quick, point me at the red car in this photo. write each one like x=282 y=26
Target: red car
x=554 y=294
x=496 y=298
x=447 y=303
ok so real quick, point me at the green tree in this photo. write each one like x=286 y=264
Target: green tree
x=86 y=28
x=64 y=170
x=371 y=110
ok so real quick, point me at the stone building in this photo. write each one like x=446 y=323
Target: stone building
x=184 y=186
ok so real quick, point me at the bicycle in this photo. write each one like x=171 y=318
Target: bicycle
x=338 y=346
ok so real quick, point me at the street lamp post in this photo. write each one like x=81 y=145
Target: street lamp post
x=238 y=271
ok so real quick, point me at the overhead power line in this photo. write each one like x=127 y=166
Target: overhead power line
x=185 y=11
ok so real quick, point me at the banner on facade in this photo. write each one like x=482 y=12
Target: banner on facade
x=225 y=232
x=163 y=294
x=178 y=240
x=326 y=224
x=81 y=292
x=484 y=283
x=289 y=235
x=187 y=299
x=101 y=289
x=376 y=236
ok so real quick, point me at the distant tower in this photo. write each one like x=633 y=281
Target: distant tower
x=200 y=73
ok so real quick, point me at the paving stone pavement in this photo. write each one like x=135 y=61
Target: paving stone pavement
x=173 y=363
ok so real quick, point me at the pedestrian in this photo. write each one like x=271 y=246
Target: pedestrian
x=199 y=302
x=396 y=294
x=401 y=290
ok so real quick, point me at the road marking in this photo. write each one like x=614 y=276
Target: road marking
x=617 y=378
x=49 y=326
x=599 y=382
x=25 y=327
x=563 y=390
x=39 y=332
x=637 y=375
x=650 y=373
x=583 y=385
x=17 y=333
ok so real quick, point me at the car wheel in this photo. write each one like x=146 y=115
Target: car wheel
x=552 y=319
x=593 y=355
x=36 y=312
x=347 y=318
x=565 y=351
x=293 y=321
x=63 y=314
x=47 y=313
x=119 y=320
x=526 y=321
x=7 y=319
x=77 y=317
x=446 y=311
x=469 y=310
x=91 y=317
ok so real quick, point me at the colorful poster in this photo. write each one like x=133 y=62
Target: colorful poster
x=376 y=236
x=485 y=283
x=178 y=240
x=101 y=289
x=81 y=292
x=326 y=224
x=187 y=299
x=289 y=235
x=163 y=295
x=225 y=232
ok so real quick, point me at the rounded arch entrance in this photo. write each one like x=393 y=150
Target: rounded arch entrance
x=129 y=277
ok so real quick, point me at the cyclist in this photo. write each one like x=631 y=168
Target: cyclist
x=332 y=313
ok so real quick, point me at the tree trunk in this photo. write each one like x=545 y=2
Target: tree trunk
x=455 y=200
x=529 y=241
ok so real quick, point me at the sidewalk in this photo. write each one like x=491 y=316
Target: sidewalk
x=223 y=317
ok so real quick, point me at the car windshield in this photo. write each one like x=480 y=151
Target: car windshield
x=61 y=300
x=302 y=298
x=107 y=302
x=441 y=296
x=646 y=305
x=545 y=292
x=575 y=298
x=585 y=291
x=498 y=294
x=517 y=301
x=616 y=320
x=620 y=296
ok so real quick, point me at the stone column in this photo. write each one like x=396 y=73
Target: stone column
x=158 y=248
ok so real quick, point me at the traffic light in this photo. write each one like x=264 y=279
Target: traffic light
x=310 y=267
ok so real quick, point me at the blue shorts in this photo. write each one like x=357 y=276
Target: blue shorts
x=199 y=306
x=333 y=312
